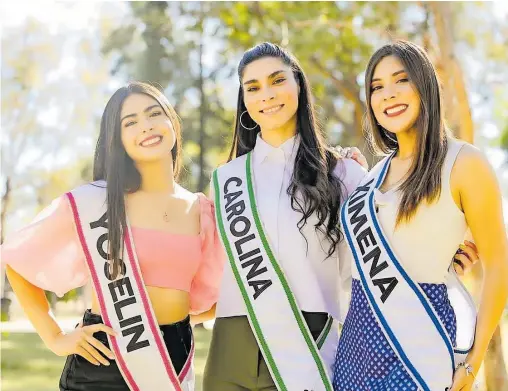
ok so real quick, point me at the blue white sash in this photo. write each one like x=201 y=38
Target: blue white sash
x=405 y=315
x=295 y=361
x=139 y=348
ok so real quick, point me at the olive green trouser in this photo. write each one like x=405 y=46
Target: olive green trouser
x=235 y=362
x=239 y=366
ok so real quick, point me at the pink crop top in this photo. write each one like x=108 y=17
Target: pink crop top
x=48 y=253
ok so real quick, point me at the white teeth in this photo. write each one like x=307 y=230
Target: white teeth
x=396 y=110
x=272 y=110
x=151 y=141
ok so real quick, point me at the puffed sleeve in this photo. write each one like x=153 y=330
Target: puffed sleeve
x=206 y=283
x=47 y=252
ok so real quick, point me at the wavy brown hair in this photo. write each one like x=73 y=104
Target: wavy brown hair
x=321 y=191
x=114 y=165
x=424 y=180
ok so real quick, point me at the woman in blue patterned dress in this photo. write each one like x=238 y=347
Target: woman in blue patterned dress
x=403 y=225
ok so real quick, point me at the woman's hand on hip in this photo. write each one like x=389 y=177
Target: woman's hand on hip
x=465 y=258
x=81 y=341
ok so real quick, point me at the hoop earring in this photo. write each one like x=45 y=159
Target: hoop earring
x=241 y=123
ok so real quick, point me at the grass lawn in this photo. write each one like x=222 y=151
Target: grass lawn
x=28 y=365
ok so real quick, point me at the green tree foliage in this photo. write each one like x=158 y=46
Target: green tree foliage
x=332 y=41
x=167 y=44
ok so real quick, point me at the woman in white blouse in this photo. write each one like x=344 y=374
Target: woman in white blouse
x=298 y=183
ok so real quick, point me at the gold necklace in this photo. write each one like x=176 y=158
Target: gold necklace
x=166 y=217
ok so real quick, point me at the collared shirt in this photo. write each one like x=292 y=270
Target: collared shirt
x=318 y=282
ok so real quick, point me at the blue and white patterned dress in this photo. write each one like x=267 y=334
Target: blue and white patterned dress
x=365 y=360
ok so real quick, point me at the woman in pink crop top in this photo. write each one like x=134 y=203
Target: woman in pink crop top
x=157 y=261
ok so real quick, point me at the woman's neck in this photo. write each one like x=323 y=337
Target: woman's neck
x=407 y=144
x=278 y=136
x=157 y=176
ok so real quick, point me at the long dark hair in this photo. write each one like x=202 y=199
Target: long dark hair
x=313 y=180
x=114 y=165
x=424 y=180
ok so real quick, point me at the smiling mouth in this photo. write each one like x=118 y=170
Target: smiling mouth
x=151 y=141
x=272 y=110
x=396 y=110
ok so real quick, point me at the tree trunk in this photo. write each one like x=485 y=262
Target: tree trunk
x=3 y=213
x=6 y=287
x=202 y=108
x=457 y=109
x=350 y=91
x=496 y=377
x=466 y=127
x=53 y=300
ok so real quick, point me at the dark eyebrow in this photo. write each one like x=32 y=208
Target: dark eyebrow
x=271 y=76
x=393 y=74
x=145 y=110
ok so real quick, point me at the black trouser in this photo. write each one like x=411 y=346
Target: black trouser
x=81 y=375
x=235 y=362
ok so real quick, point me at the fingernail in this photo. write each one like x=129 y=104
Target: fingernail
x=107 y=364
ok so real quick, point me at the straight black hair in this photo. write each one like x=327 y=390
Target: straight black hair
x=114 y=165
x=319 y=190
x=424 y=180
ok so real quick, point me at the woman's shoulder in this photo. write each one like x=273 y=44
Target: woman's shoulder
x=472 y=169
x=187 y=194
x=234 y=163
x=469 y=159
x=59 y=209
x=204 y=205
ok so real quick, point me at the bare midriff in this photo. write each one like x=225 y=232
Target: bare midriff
x=169 y=305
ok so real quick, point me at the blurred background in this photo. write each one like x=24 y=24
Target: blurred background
x=60 y=62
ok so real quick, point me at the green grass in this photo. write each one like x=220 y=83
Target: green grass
x=28 y=365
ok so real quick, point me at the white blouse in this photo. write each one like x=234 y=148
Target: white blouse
x=320 y=284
